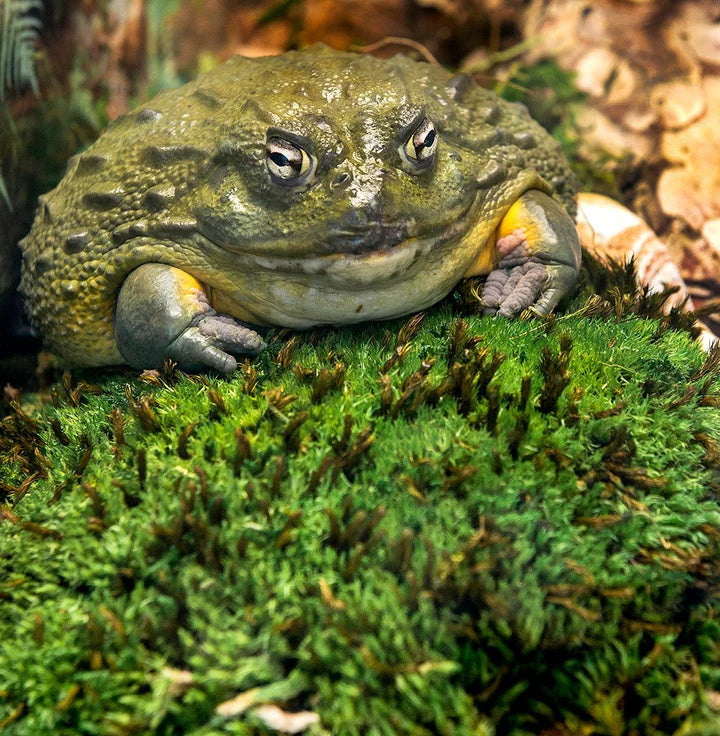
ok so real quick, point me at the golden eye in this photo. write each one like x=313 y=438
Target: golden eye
x=420 y=147
x=287 y=162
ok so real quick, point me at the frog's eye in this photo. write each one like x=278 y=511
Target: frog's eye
x=420 y=147
x=286 y=162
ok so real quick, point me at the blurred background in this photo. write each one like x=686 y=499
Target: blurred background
x=631 y=88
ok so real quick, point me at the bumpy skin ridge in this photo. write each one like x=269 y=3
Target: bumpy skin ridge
x=153 y=187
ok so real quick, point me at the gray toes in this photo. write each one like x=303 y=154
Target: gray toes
x=228 y=334
x=523 y=288
x=509 y=291
x=209 y=342
x=559 y=282
x=492 y=292
x=193 y=351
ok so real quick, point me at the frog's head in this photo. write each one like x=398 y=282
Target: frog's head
x=331 y=153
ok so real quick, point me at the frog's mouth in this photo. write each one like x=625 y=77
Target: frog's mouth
x=342 y=288
x=346 y=288
x=363 y=240
x=358 y=257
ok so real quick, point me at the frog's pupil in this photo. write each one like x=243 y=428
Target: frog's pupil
x=429 y=139
x=279 y=159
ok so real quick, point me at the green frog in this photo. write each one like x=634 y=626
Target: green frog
x=317 y=187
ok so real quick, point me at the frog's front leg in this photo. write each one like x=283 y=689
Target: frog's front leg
x=163 y=312
x=538 y=258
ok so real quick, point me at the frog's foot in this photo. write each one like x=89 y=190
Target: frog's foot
x=163 y=312
x=539 y=258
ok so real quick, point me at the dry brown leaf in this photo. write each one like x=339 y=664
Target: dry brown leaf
x=645 y=68
x=281 y=720
x=341 y=24
x=711 y=233
x=222 y=28
x=568 y=29
x=703 y=38
x=461 y=12
x=239 y=704
x=126 y=43
x=679 y=103
x=692 y=34
x=604 y=44
x=690 y=189
x=600 y=132
x=698 y=261
x=602 y=73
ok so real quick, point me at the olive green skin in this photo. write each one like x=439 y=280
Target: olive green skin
x=184 y=181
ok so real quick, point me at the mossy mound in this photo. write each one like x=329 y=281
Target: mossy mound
x=442 y=526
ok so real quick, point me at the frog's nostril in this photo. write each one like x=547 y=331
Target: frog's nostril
x=341 y=180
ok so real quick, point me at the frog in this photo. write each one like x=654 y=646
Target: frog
x=317 y=187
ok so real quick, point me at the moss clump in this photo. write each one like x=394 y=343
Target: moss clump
x=447 y=526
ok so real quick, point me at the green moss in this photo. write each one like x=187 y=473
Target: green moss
x=453 y=526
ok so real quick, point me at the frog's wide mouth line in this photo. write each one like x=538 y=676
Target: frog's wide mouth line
x=379 y=264
x=412 y=249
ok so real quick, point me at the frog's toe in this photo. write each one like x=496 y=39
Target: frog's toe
x=508 y=291
x=228 y=333
x=529 y=284
x=163 y=312
x=193 y=351
x=559 y=281
x=210 y=343
x=539 y=258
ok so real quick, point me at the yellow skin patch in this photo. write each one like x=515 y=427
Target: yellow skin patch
x=189 y=288
x=518 y=217
x=518 y=221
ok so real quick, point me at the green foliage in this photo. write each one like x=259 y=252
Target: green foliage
x=456 y=525
x=161 y=71
x=3 y=191
x=36 y=147
x=19 y=32
x=547 y=89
